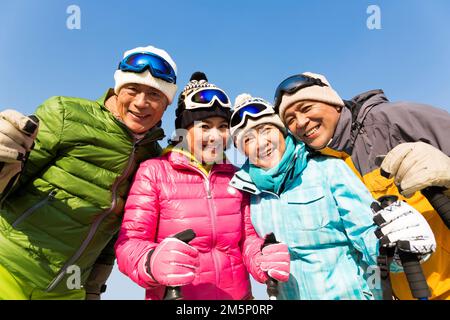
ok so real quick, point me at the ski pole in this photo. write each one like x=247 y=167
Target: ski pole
x=272 y=284
x=439 y=201
x=410 y=262
x=174 y=293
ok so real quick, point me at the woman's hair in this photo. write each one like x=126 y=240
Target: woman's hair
x=172 y=142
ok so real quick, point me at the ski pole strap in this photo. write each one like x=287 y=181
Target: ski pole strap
x=173 y=293
x=440 y=202
x=384 y=260
x=272 y=284
x=410 y=262
x=272 y=288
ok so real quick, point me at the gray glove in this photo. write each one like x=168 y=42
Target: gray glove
x=17 y=135
x=96 y=282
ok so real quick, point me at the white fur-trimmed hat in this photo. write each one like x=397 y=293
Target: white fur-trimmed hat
x=316 y=93
x=238 y=132
x=121 y=77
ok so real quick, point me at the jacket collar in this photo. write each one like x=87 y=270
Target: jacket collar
x=352 y=119
x=109 y=93
x=242 y=181
x=182 y=159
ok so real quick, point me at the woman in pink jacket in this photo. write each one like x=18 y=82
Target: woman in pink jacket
x=188 y=188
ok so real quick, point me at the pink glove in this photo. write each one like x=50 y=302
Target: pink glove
x=174 y=263
x=275 y=260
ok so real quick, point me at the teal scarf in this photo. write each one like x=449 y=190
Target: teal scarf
x=273 y=179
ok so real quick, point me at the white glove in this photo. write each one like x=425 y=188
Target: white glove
x=17 y=135
x=415 y=166
x=404 y=227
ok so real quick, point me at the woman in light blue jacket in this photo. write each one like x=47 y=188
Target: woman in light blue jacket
x=314 y=204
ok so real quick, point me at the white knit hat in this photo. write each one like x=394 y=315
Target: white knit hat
x=146 y=78
x=241 y=101
x=316 y=93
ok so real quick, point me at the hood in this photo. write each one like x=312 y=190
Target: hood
x=367 y=101
x=352 y=117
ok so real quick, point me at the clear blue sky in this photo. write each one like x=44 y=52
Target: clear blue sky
x=242 y=46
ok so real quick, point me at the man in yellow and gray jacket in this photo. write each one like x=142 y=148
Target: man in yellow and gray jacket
x=414 y=138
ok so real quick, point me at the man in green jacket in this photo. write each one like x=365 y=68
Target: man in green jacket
x=65 y=175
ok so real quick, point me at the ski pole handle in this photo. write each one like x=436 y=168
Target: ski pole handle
x=410 y=262
x=414 y=274
x=174 y=293
x=439 y=201
x=272 y=284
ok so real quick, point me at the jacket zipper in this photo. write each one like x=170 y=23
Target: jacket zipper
x=31 y=210
x=95 y=225
x=212 y=214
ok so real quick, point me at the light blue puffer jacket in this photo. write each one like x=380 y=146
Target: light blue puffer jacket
x=324 y=216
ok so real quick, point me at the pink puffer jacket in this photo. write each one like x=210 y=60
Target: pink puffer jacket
x=169 y=195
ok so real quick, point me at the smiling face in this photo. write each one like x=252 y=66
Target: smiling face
x=264 y=146
x=140 y=107
x=312 y=122
x=207 y=139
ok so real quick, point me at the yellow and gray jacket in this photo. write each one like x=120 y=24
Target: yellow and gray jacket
x=372 y=126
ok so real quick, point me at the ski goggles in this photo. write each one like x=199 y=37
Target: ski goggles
x=254 y=110
x=206 y=97
x=293 y=84
x=140 y=61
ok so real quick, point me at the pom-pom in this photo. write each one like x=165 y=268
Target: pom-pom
x=198 y=76
x=240 y=99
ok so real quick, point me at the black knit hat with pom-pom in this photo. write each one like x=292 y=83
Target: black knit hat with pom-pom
x=185 y=117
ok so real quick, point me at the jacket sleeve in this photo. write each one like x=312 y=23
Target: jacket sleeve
x=353 y=201
x=48 y=140
x=137 y=233
x=412 y=122
x=251 y=243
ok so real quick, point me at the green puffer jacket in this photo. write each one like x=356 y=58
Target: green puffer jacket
x=67 y=205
